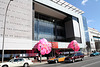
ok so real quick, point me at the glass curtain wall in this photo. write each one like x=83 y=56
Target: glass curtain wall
x=43 y=29
x=86 y=34
x=86 y=29
x=48 y=27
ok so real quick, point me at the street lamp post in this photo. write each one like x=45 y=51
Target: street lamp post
x=4 y=30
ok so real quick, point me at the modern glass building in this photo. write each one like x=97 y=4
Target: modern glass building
x=88 y=46
x=86 y=29
x=28 y=21
x=61 y=25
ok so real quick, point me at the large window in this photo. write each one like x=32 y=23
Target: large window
x=43 y=29
x=48 y=27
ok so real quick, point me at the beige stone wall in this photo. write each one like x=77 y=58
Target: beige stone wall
x=18 y=21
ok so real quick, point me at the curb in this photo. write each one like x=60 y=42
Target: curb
x=38 y=63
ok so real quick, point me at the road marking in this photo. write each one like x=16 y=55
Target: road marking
x=90 y=64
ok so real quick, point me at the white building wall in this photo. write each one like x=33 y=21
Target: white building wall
x=18 y=33
x=65 y=10
x=93 y=33
x=65 y=45
x=82 y=32
x=92 y=42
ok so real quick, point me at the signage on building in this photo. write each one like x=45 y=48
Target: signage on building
x=54 y=44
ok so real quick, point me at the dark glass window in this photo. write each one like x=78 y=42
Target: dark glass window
x=52 y=29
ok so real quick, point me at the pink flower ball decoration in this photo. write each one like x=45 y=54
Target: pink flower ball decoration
x=45 y=46
x=74 y=45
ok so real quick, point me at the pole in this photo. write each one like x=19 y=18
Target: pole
x=74 y=49
x=4 y=30
x=40 y=54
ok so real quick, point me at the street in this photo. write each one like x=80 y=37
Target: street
x=87 y=62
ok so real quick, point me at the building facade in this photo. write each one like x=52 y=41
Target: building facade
x=18 y=29
x=87 y=37
x=94 y=39
x=29 y=21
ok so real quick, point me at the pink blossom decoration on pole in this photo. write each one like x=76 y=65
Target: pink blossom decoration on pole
x=74 y=45
x=45 y=46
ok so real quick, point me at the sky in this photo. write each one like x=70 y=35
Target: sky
x=91 y=9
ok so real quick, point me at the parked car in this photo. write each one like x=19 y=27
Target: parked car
x=17 y=62
x=94 y=54
x=75 y=56
x=57 y=59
